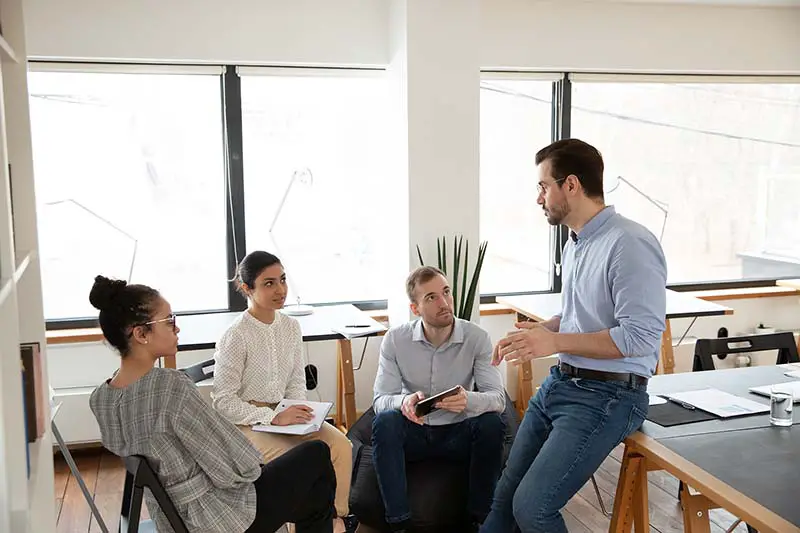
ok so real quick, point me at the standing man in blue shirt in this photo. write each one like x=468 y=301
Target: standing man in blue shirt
x=607 y=338
x=420 y=359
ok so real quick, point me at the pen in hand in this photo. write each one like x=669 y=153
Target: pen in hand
x=357 y=326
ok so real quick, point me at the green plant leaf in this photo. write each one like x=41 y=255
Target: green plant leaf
x=443 y=265
x=473 y=287
x=456 y=264
x=463 y=310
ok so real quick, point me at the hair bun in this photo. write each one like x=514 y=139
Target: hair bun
x=105 y=291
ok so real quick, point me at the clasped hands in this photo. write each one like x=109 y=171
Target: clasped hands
x=529 y=341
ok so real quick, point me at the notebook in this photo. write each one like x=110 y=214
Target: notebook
x=764 y=389
x=319 y=409
x=718 y=402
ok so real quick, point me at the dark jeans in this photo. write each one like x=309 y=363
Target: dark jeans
x=396 y=440
x=296 y=487
x=570 y=427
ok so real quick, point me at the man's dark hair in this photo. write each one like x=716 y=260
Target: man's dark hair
x=573 y=156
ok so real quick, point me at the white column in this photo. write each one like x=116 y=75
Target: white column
x=436 y=69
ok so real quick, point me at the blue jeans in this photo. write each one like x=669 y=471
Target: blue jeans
x=395 y=440
x=570 y=427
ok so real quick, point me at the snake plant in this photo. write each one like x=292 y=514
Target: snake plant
x=463 y=292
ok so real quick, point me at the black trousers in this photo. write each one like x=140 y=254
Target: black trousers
x=297 y=487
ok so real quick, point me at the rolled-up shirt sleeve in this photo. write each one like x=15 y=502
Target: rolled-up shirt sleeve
x=388 y=389
x=490 y=396
x=638 y=279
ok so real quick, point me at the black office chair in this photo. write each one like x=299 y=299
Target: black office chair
x=139 y=476
x=198 y=372
x=706 y=349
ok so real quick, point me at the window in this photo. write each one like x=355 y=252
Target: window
x=711 y=166
x=515 y=124
x=315 y=176
x=129 y=184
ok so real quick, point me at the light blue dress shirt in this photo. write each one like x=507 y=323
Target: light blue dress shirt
x=615 y=278
x=409 y=363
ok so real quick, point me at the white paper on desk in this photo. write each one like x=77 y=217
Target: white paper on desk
x=794 y=374
x=352 y=332
x=656 y=400
x=719 y=403
x=791 y=366
x=319 y=409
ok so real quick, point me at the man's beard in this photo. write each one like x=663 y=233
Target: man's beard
x=555 y=214
x=443 y=320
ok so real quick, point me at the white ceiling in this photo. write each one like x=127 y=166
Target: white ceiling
x=741 y=3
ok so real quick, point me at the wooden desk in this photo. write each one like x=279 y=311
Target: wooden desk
x=200 y=332
x=541 y=307
x=741 y=464
x=791 y=283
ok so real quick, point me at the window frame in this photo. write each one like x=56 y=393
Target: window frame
x=611 y=77
x=559 y=129
x=230 y=82
x=232 y=147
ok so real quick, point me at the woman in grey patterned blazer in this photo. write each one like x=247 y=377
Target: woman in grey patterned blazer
x=210 y=470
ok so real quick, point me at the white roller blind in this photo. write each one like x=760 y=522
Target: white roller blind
x=665 y=78
x=124 y=68
x=310 y=72
x=533 y=76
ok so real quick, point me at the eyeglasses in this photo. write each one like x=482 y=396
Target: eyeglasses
x=541 y=187
x=171 y=320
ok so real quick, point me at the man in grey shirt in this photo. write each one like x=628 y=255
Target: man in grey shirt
x=607 y=337
x=420 y=359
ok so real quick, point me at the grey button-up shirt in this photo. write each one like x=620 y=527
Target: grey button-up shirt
x=409 y=363
x=204 y=462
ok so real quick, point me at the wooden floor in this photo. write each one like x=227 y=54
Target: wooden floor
x=105 y=475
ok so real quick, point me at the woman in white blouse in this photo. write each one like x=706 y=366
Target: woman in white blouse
x=259 y=361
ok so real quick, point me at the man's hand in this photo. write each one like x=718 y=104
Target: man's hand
x=409 y=406
x=497 y=355
x=294 y=414
x=455 y=403
x=529 y=342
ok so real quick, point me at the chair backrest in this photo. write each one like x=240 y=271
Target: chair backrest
x=705 y=349
x=139 y=476
x=199 y=372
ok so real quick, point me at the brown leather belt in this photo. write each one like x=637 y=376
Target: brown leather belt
x=600 y=375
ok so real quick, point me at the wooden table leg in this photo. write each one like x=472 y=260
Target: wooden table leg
x=169 y=362
x=630 y=501
x=666 y=363
x=641 y=513
x=695 y=511
x=346 y=388
x=524 y=379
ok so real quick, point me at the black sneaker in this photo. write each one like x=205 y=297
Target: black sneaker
x=350 y=523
